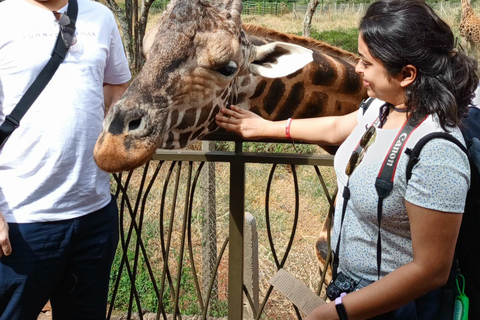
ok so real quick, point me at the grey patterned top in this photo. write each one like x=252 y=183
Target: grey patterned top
x=439 y=181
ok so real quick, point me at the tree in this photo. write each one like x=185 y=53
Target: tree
x=307 y=21
x=133 y=23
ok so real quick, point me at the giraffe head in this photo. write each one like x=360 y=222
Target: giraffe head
x=465 y=3
x=194 y=58
x=467 y=9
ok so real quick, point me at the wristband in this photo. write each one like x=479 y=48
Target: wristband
x=342 y=313
x=287 y=129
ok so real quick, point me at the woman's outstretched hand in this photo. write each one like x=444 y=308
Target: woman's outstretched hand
x=243 y=122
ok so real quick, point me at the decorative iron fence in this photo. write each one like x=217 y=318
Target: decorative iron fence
x=159 y=272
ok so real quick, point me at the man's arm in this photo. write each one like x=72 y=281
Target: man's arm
x=5 y=247
x=112 y=93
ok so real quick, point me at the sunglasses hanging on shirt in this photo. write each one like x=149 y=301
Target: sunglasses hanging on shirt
x=67 y=29
x=366 y=141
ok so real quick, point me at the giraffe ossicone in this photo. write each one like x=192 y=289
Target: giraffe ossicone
x=199 y=58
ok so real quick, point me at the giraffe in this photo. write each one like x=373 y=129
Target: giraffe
x=470 y=28
x=201 y=59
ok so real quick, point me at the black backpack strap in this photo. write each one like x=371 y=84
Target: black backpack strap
x=12 y=121
x=414 y=153
x=449 y=291
x=365 y=104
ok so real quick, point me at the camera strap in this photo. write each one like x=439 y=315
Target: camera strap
x=346 y=197
x=383 y=186
x=12 y=121
x=384 y=181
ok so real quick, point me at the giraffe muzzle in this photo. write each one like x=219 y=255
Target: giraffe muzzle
x=126 y=141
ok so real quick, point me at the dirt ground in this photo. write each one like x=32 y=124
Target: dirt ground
x=46 y=313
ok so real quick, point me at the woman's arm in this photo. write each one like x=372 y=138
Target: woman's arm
x=434 y=235
x=323 y=130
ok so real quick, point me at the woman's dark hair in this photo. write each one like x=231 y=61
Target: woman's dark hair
x=402 y=32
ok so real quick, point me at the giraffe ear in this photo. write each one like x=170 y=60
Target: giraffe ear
x=279 y=59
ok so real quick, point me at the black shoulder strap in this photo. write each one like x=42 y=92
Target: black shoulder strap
x=468 y=244
x=365 y=104
x=12 y=121
x=414 y=153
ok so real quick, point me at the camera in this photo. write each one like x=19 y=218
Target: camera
x=343 y=283
x=362 y=284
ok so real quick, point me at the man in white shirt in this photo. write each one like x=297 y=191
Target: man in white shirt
x=58 y=221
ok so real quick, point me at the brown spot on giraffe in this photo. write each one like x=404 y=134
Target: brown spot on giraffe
x=200 y=56
x=321 y=249
x=470 y=29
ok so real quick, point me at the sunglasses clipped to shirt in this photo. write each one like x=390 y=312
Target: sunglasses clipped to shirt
x=366 y=141
x=67 y=30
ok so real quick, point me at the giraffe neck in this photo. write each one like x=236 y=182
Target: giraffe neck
x=329 y=86
x=268 y=35
x=467 y=9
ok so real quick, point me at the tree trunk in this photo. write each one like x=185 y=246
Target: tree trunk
x=133 y=23
x=209 y=226
x=307 y=21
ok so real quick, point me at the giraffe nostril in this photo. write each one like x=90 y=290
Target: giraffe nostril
x=134 y=124
x=115 y=126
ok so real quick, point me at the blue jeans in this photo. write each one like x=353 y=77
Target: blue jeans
x=66 y=261
x=427 y=307
x=434 y=305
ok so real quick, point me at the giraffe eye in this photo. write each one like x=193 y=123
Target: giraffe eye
x=227 y=70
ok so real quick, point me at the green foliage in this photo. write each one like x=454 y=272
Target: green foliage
x=143 y=282
x=188 y=301
x=159 y=5
x=250 y=1
x=269 y=147
x=346 y=39
x=218 y=308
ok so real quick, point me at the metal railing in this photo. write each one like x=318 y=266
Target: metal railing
x=166 y=268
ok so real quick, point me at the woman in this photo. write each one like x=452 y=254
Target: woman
x=409 y=64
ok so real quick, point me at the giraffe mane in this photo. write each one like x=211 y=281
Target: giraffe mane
x=317 y=45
